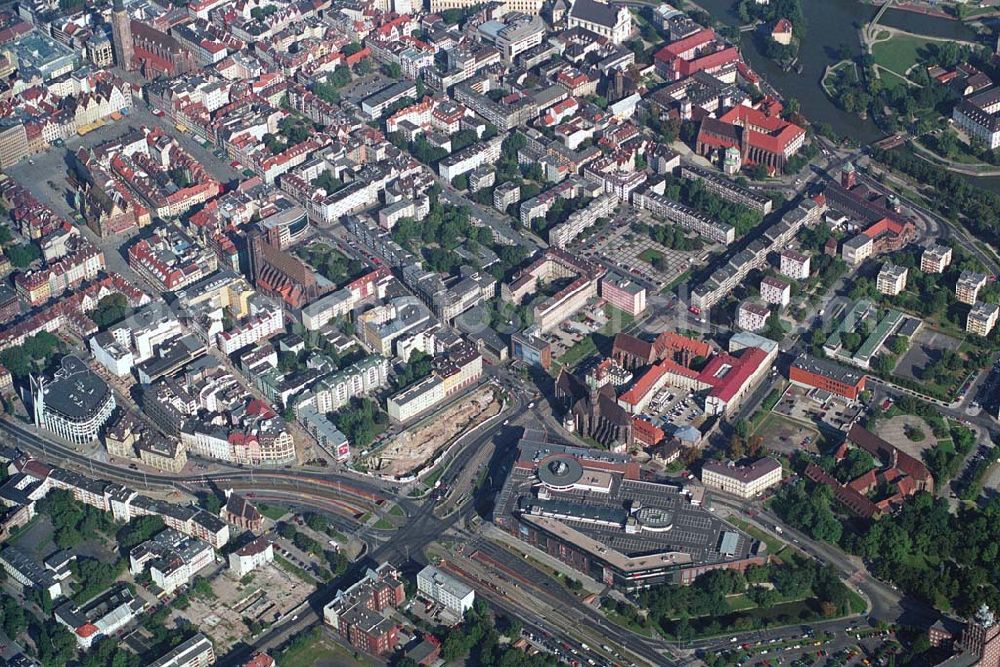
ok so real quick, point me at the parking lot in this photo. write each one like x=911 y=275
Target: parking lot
x=784 y=436
x=673 y=408
x=632 y=254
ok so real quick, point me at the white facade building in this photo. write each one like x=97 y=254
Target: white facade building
x=75 y=404
x=752 y=316
x=251 y=556
x=743 y=481
x=444 y=589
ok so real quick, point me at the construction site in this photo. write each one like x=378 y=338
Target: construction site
x=410 y=451
x=239 y=608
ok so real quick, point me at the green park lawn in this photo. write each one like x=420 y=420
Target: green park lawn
x=899 y=53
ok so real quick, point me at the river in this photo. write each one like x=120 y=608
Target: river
x=831 y=28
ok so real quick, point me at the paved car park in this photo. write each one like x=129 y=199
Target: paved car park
x=673 y=408
x=629 y=253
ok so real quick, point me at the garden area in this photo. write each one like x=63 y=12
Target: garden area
x=789 y=591
x=330 y=263
x=873 y=85
x=617 y=320
x=438 y=236
x=946 y=559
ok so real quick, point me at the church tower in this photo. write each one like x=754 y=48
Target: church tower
x=121 y=32
x=848 y=176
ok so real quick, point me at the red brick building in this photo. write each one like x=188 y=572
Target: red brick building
x=699 y=52
x=357 y=612
x=762 y=139
x=239 y=512
x=981 y=638
x=810 y=372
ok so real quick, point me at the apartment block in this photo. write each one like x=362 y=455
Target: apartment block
x=775 y=290
x=444 y=589
x=727 y=189
x=172 y=558
x=982 y=318
x=251 y=556
x=751 y=316
x=968 y=286
x=195 y=652
x=935 y=258
x=794 y=265
x=358 y=613
x=891 y=279
x=623 y=293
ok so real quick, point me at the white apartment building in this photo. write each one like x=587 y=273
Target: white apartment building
x=336 y=390
x=935 y=258
x=563 y=234
x=265 y=321
x=467 y=159
x=444 y=589
x=982 y=318
x=968 y=286
x=415 y=399
x=775 y=290
x=891 y=279
x=28 y=572
x=743 y=481
x=751 y=316
x=172 y=557
x=195 y=652
x=857 y=249
x=318 y=314
x=795 y=265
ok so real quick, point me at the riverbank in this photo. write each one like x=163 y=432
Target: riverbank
x=965 y=168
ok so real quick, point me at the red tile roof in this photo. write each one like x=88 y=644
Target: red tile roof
x=783 y=26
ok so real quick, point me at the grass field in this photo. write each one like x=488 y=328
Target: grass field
x=649 y=255
x=320 y=651
x=892 y=80
x=899 y=53
x=618 y=320
x=623 y=622
x=272 y=511
x=578 y=352
x=739 y=602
